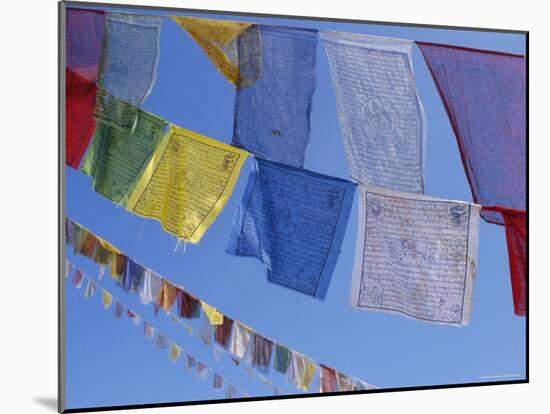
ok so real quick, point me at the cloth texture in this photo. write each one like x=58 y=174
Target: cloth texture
x=272 y=116
x=106 y=299
x=327 y=379
x=187 y=183
x=381 y=116
x=484 y=94
x=214 y=317
x=167 y=295
x=294 y=221
x=220 y=40
x=128 y=67
x=188 y=306
x=240 y=339
x=116 y=159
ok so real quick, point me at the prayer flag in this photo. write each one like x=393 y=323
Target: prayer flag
x=78 y=278
x=128 y=67
x=84 y=40
x=187 y=183
x=239 y=339
x=272 y=116
x=484 y=94
x=119 y=309
x=218 y=382
x=327 y=379
x=175 y=352
x=345 y=383
x=160 y=341
x=103 y=254
x=135 y=319
x=214 y=317
x=136 y=274
x=202 y=371
x=106 y=299
x=515 y=225
x=80 y=97
x=189 y=307
x=151 y=287
x=190 y=362
x=293 y=220
x=301 y=371
x=116 y=158
x=230 y=391
x=282 y=359
x=167 y=295
x=148 y=330
x=224 y=42
x=90 y=289
x=415 y=256
x=223 y=332
x=259 y=353
x=84 y=37
x=85 y=243
x=381 y=116
x=118 y=265
x=206 y=331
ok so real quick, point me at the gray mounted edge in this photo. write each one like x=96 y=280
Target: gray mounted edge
x=61 y=362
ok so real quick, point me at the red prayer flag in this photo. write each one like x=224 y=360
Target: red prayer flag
x=484 y=93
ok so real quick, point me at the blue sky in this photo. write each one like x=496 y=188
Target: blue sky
x=110 y=362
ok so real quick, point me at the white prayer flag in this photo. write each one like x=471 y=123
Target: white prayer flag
x=381 y=116
x=415 y=256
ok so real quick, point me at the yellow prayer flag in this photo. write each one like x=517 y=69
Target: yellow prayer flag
x=174 y=352
x=218 y=39
x=106 y=299
x=308 y=374
x=187 y=183
x=215 y=317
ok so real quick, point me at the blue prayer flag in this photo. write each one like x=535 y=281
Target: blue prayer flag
x=294 y=221
x=272 y=116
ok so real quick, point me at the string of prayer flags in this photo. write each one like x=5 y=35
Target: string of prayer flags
x=272 y=116
x=327 y=379
x=84 y=40
x=161 y=341
x=80 y=97
x=239 y=339
x=188 y=306
x=515 y=225
x=116 y=158
x=214 y=317
x=483 y=93
x=381 y=116
x=259 y=353
x=301 y=371
x=128 y=67
x=226 y=43
x=415 y=256
x=293 y=220
x=236 y=339
x=187 y=183
x=282 y=359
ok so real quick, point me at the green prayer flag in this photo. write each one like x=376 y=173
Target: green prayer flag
x=116 y=159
